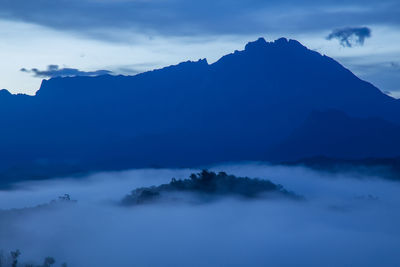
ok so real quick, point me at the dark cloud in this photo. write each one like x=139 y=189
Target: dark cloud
x=55 y=71
x=349 y=37
x=108 y=19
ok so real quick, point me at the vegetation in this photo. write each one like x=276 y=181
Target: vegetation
x=65 y=199
x=208 y=184
x=12 y=260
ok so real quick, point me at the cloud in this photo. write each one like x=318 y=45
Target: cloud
x=345 y=219
x=382 y=72
x=53 y=71
x=395 y=65
x=110 y=19
x=349 y=37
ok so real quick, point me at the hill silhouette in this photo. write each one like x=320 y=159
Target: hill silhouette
x=190 y=114
x=208 y=186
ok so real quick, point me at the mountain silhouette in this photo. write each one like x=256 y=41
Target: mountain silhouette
x=246 y=106
x=333 y=134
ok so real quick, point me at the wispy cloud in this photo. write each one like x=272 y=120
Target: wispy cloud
x=55 y=71
x=350 y=36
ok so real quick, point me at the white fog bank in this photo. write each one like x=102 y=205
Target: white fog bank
x=345 y=221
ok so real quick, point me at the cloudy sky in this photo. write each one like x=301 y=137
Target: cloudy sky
x=47 y=38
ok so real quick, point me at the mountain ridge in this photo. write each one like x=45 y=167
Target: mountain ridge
x=254 y=46
x=190 y=114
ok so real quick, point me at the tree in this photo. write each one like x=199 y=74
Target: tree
x=14 y=257
x=48 y=262
x=65 y=197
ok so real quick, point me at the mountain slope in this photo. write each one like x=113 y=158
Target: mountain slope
x=193 y=113
x=334 y=134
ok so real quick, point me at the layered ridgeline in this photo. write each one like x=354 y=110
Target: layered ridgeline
x=272 y=101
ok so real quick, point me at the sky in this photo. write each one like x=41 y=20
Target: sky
x=45 y=38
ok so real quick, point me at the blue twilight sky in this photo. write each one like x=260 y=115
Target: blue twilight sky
x=45 y=38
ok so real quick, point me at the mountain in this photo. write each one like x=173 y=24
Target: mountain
x=193 y=113
x=387 y=168
x=336 y=135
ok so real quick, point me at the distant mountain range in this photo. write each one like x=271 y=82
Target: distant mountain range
x=387 y=168
x=273 y=101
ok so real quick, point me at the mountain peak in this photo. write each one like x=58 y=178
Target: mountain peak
x=4 y=92
x=284 y=42
x=259 y=43
x=281 y=41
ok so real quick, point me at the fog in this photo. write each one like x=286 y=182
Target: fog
x=346 y=220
